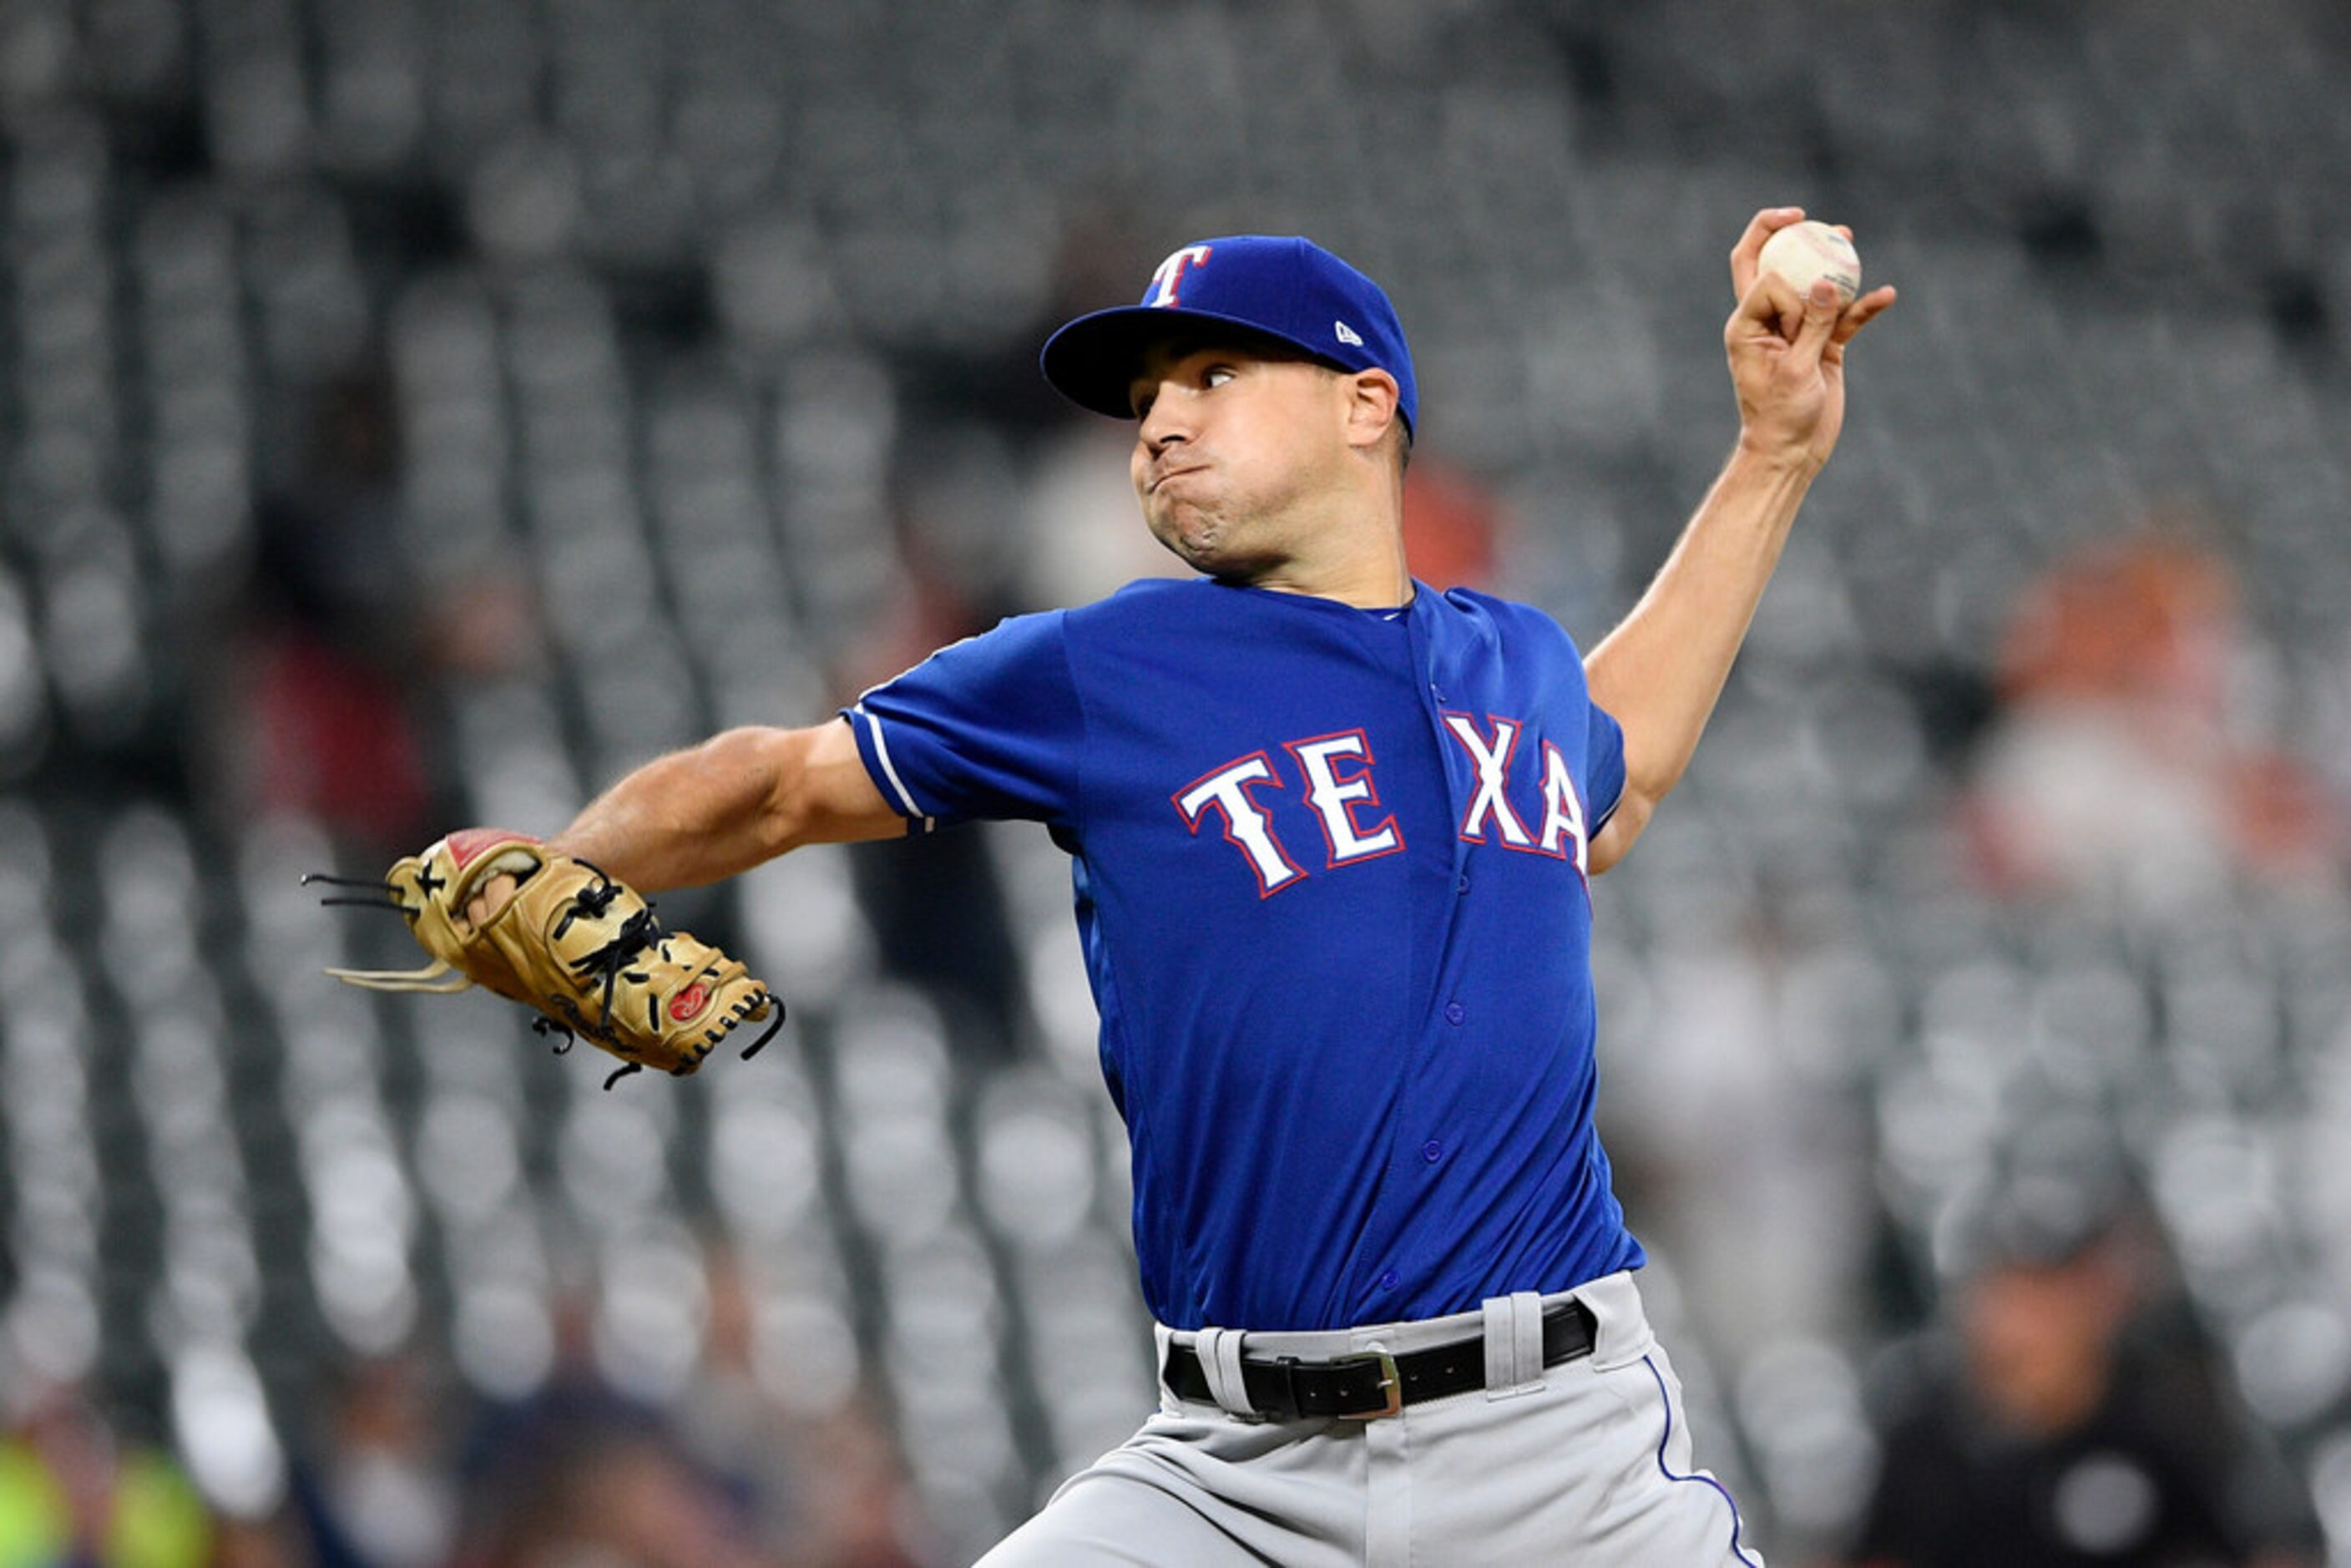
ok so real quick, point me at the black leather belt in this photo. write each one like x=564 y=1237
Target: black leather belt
x=1372 y=1384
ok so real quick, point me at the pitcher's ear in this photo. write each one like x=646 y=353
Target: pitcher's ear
x=1371 y=406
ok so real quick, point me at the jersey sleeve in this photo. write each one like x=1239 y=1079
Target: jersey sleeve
x=986 y=728
x=1603 y=763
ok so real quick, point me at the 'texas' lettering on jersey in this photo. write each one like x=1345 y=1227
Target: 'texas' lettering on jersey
x=1336 y=781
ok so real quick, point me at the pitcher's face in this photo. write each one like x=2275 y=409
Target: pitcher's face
x=1234 y=447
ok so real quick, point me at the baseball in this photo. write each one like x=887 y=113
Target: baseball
x=1809 y=250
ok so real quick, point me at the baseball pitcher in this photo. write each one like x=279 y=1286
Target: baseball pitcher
x=1331 y=833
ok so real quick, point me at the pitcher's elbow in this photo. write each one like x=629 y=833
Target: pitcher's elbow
x=1625 y=825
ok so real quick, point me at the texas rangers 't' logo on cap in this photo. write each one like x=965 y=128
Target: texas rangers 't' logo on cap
x=1169 y=276
x=1284 y=287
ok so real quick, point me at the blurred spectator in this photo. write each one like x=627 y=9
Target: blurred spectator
x=328 y=736
x=1735 y=1135
x=618 y=1495
x=72 y=1492
x=723 y=1476
x=314 y=712
x=579 y=1472
x=2065 y=1422
x=862 y=1511
x=378 y=1493
x=968 y=963
x=1453 y=526
x=2121 y=771
x=826 y=1493
x=1083 y=539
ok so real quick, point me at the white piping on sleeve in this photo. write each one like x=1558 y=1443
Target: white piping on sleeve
x=1599 y=822
x=882 y=754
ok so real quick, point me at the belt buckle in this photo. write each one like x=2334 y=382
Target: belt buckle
x=1389 y=1380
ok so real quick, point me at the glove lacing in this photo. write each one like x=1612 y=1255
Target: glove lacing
x=637 y=933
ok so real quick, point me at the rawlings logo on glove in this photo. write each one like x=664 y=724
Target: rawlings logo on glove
x=584 y=950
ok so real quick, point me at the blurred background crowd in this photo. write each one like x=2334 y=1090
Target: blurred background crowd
x=413 y=413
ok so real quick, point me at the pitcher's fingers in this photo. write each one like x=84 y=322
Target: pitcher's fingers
x=1771 y=305
x=483 y=906
x=1761 y=227
x=1811 y=339
x=1862 y=312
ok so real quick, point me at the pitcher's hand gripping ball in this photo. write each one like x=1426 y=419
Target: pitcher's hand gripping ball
x=584 y=950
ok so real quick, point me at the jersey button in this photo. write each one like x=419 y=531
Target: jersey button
x=1432 y=1151
x=1388 y=1281
x=1464 y=884
x=1455 y=1012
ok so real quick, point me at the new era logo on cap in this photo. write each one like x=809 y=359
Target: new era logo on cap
x=1284 y=287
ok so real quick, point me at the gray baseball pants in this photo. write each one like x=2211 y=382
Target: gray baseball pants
x=1587 y=1463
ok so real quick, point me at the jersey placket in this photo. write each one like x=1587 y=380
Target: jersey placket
x=1414 y=1154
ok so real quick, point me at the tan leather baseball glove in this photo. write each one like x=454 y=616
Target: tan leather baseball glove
x=584 y=950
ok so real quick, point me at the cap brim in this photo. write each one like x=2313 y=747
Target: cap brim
x=1093 y=360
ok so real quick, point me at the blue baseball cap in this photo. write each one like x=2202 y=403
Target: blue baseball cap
x=1282 y=288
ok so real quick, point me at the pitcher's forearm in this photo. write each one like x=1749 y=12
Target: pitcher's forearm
x=1662 y=669
x=715 y=810
x=692 y=817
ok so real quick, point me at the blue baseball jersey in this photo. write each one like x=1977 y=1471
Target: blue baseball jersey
x=1330 y=869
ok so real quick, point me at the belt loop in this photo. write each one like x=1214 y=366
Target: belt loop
x=1220 y=1362
x=1620 y=1334
x=1163 y=1341
x=1514 y=1350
